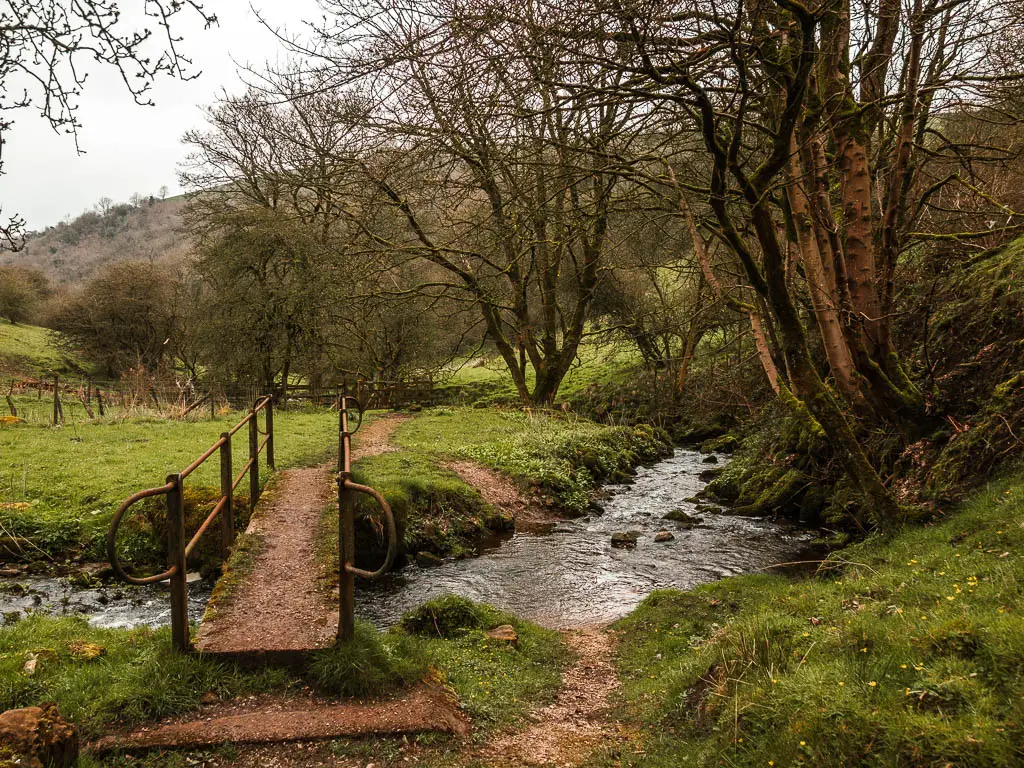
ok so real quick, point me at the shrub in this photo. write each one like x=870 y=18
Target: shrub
x=446 y=616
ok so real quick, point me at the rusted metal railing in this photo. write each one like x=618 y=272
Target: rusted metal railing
x=178 y=550
x=347 y=490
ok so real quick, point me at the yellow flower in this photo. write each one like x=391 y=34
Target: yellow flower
x=903 y=666
x=803 y=743
x=873 y=684
x=841 y=683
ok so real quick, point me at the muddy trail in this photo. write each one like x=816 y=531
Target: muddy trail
x=568 y=730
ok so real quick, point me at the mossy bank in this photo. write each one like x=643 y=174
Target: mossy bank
x=906 y=650
x=557 y=460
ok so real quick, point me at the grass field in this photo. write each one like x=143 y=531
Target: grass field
x=60 y=486
x=27 y=350
x=908 y=652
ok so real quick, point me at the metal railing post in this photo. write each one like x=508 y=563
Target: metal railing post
x=254 y=457
x=270 y=433
x=341 y=433
x=346 y=558
x=176 y=560
x=227 y=515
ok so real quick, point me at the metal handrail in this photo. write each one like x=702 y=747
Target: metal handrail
x=346 y=523
x=178 y=550
x=391 y=533
x=115 y=523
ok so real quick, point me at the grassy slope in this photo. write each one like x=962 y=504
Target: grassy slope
x=910 y=653
x=596 y=364
x=25 y=350
x=72 y=479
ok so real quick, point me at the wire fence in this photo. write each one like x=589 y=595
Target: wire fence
x=57 y=401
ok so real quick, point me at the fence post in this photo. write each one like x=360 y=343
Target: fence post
x=270 y=433
x=176 y=559
x=56 y=400
x=227 y=515
x=346 y=557
x=99 y=401
x=254 y=457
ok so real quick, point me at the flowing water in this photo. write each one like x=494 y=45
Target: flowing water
x=566 y=575
x=104 y=605
x=572 y=576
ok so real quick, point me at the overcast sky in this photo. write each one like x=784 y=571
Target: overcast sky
x=129 y=148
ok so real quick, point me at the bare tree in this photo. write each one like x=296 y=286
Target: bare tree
x=45 y=46
x=493 y=174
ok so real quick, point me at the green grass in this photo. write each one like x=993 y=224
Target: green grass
x=136 y=677
x=434 y=509
x=60 y=486
x=495 y=682
x=563 y=456
x=910 y=652
x=26 y=350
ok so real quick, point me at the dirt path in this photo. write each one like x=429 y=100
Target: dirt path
x=279 y=608
x=375 y=438
x=501 y=491
x=567 y=731
x=272 y=719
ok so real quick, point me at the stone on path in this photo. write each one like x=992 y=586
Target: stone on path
x=39 y=736
x=505 y=633
x=661 y=536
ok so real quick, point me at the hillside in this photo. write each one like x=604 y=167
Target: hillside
x=26 y=350
x=72 y=251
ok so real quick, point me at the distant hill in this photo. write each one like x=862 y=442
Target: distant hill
x=72 y=251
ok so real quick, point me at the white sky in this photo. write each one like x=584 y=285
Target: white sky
x=129 y=148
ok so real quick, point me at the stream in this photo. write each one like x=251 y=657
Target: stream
x=565 y=575
x=571 y=576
